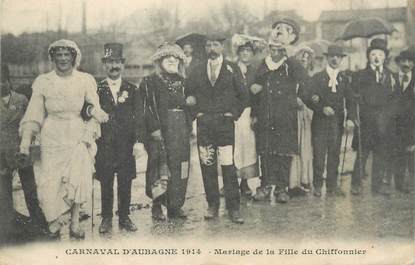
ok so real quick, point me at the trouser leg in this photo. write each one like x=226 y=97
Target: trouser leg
x=107 y=195
x=27 y=178
x=378 y=168
x=358 y=169
x=6 y=203
x=333 y=156
x=230 y=183
x=124 y=195
x=208 y=160
x=283 y=165
x=319 y=157
x=176 y=191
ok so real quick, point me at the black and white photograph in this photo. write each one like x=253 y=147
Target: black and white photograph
x=208 y=132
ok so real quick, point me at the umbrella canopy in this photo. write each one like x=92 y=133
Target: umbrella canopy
x=197 y=41
x=366 y=28
x=319 y=46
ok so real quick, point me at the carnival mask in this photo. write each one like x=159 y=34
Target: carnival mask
x=283 y=33
x=377 y=57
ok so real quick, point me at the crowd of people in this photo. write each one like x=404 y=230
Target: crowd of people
x=281 y=120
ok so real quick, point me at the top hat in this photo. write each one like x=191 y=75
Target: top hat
x=406 y=54
x=113 y=51
x=378 y=44
x=334 y=49
x=292 y=23
x=216 y=37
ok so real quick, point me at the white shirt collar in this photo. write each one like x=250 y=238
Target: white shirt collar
x=332 y=72
x=374 y=68
x=273 y=65
x=115 y=86
x=112 y=82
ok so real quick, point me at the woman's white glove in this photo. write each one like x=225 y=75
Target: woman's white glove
x=100 y=115
x=139 y=150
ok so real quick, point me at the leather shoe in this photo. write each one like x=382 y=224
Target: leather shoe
x=245 y=189
x=179 y=213
x=106 y=225
x=126 y=224
x=211 y=213
x=157 y=213
x=282 y=197
x=262 y=193
x=317 y=191
x=236 y=217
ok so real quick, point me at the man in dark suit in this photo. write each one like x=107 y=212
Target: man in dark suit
x=330 y=88
x=405 y=122
x=377 y=103
x=218 y=89
x=121 y=136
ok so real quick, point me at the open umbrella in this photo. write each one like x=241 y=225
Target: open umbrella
x=197 y=41
x=366 y=28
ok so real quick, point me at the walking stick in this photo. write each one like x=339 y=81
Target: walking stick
x=359 y=137
x=344 y=153
x=92 y=208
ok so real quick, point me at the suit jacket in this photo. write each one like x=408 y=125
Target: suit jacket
x=124 y=128
x=378 y=107
x=225 y=96
x=275 y=107
x=405 y=116
x=335 y=100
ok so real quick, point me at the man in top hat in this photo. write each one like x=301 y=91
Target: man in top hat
x=375 y=88
x=12 y=109
x=330 y=89
x=278 y=86
x=218 y=89
x=405 y=121
x=121 y=138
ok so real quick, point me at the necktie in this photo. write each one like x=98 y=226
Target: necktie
x=378 y=74
x=213 y=72
x=405 y=79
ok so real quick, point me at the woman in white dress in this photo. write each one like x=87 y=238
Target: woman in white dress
x=302 y=165
x=64 y=167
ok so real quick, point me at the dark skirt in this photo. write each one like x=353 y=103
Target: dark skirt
x=177 y=149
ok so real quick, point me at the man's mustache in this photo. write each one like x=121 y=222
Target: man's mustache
x=115 y=69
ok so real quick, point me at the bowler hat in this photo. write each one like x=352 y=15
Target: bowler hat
x=406 y=54
x=292 y=23
x=216 y=37
x=334 y=49
x=378 y=44
x=113 y=51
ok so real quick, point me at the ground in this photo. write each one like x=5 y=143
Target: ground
x=355 y=218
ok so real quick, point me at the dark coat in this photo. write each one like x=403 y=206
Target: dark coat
x=225 y=96
x=378 y=108
x=405 y=117
x=319 y=87
x=125 y=127
x=275 y=107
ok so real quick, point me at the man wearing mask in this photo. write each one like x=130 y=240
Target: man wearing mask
x=218 y=89
x=374 y=87
x=330 y=88
x=405 y=121
x=279 y=80
x=121 y=139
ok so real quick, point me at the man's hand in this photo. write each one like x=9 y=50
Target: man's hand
x=24 y=149
x=255 y=88
x=349 y=125
x=156 y=135
x=315 y=99
x=100 y=115
x=328 y=111
x=138 y=150
x=190 y=101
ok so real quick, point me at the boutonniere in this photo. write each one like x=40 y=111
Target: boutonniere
x=229 y=68
x=123 y=96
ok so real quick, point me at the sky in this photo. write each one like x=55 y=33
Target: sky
x=18 y=16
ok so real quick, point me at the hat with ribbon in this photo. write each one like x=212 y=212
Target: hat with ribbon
x=113 y=51
x=168 y=49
